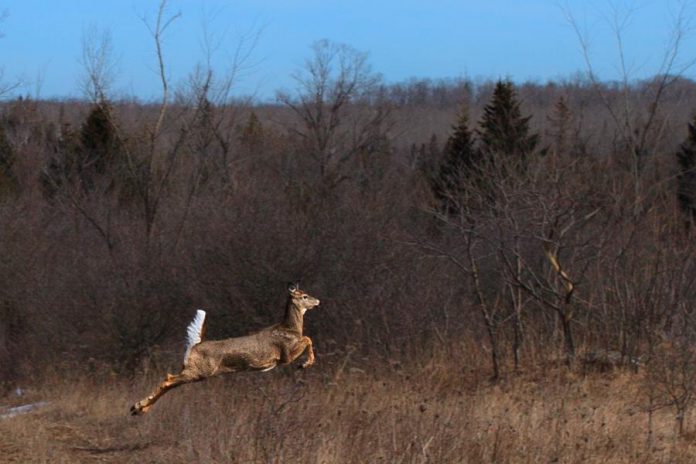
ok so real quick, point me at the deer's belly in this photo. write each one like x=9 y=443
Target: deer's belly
x=251 y=360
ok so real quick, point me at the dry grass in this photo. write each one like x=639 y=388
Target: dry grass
x=434 y=412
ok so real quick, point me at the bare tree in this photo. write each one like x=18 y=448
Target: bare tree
x=670 y=378
x=6 y=87
x=211 y=116
x=471 y=256
x=334 y=124
x=206 y=106
x=73 y=161
x=638 y=124
x=99 y=64
x=162 y=162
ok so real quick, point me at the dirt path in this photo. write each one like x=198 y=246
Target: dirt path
x=53 y=436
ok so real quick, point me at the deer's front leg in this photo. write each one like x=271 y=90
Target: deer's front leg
x=310 y=353
x=305 y=343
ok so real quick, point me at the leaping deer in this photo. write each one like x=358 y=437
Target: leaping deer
x=261 y=351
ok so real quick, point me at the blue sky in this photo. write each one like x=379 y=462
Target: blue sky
x=519 y=39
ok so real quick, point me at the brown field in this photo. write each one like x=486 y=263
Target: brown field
x=350 y=411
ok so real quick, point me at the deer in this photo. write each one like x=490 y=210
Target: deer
x=261 y=351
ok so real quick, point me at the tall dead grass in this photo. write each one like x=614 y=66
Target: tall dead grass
x=349 y=411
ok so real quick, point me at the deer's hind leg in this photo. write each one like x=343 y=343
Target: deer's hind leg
x=171 y=381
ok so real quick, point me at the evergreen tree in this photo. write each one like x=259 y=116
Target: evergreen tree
x=503 y=130
x=560 y=122
x=434 y=147
x=252 y=134
x=413 y=157
x=203 y=129
x=99 y=141
x=8 y=181
x=83 y=156
x=686 y=177
x=460 y=160
x=424 y=162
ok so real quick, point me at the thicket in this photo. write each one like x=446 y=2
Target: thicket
x=422 y=214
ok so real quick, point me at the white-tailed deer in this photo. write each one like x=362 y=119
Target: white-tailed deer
x=261 y=351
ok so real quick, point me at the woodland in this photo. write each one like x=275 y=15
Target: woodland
x=506 y=269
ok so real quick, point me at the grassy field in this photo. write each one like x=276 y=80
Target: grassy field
x=340 y=411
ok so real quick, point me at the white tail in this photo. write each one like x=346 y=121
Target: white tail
x=194 y=332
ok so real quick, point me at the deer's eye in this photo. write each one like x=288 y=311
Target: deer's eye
x=304 y=297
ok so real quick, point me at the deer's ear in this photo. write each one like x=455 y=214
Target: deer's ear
x=293 y=287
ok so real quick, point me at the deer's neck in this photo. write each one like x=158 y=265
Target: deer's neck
x=293 y=318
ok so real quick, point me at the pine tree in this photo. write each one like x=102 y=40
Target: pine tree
x=99 y=139
x=503 y=130
x=204 y=126
x=434 y=147
x=84 y=156
x=413 y=158
x=8 y=181
x=252 y=134
x=460 y=160
x=560 y=122
x=686 y=177
x=426 y=158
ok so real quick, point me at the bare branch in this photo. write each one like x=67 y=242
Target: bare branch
x=162 y=23
x=98 y=63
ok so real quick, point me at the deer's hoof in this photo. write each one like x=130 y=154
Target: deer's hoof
x=138 y=410
x=306 y=364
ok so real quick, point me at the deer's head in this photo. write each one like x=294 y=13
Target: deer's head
x=301 y=299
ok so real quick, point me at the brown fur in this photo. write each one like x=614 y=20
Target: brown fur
x=279 y=344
